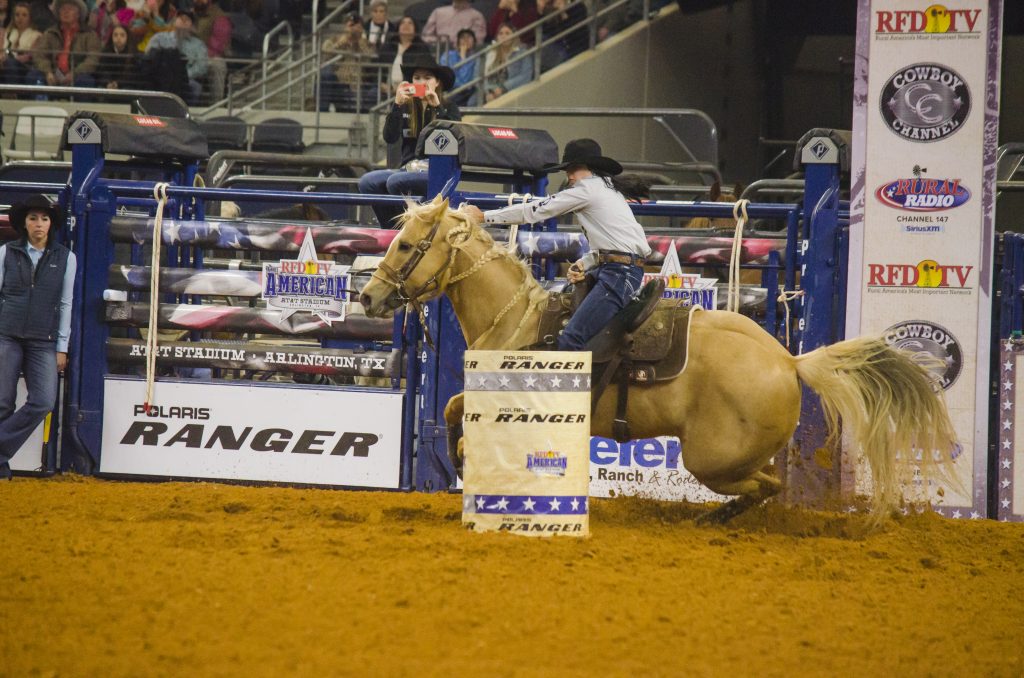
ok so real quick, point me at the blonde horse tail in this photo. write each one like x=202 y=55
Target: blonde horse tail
x=890 y=410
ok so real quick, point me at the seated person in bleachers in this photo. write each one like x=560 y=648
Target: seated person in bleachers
x=465 y=73
x=19 y=40
x=501 y=73
x=405 y=43
x=183 y=38
x=119 y=62
x=445 y=23
x=42 y=15
x=567 y=13
x=412 y=111
x=379 y=28
x=67 y=54
x=213 y=27
x=518 y=13
x=156 y=16
x=342 y=80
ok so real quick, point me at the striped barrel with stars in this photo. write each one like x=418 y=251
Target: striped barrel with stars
x=527 y=439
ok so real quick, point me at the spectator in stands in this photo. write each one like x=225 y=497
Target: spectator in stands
x=19 y=40
x=412 y=111
x=37 y=280
x=379 y=28
x=504 y=70
x=445 y=23
x=156 y=16
x=466 y=73
x=183 y=38
x=561 y=15
x=104 y=17
x=214 y=28
x=406 y=41
x=42 y=16
x=342 y=81
x=518 y=13
x=5 y=13
x=68 y=53
x=118 y=64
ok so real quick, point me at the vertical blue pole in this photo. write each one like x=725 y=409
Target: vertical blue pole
x=90 y=210
x=809 y=480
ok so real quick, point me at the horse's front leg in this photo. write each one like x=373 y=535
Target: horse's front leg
x=453 y=412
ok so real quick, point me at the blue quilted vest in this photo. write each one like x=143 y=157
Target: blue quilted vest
x=30 y=301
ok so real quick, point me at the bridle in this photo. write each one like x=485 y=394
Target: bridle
x=398 y=279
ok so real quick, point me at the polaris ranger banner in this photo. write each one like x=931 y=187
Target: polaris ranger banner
x=287 y=434
x=527 y=442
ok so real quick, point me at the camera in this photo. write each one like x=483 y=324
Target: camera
x=416 y=90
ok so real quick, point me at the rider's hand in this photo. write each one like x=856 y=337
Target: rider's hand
x=576 y=274
x=431 y=97
x=473 y=212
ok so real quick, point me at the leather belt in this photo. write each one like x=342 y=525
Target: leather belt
x=620 y=258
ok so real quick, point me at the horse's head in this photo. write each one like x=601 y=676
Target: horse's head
x=417 y=265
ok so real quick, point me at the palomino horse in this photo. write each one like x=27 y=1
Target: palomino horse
x=733 y=408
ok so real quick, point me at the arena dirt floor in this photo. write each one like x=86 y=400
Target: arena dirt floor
x=103 y=578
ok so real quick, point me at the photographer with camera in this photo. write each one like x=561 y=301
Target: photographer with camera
x=419 y=100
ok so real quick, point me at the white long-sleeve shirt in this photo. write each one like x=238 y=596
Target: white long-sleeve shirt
x=67 y=291
x=603 y=213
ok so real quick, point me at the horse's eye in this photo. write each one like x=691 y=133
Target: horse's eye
x=404 y=246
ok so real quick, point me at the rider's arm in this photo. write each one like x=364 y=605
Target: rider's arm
x=556 y=205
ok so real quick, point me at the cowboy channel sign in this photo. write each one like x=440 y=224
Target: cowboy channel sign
x=688 y=288
x=307 y=284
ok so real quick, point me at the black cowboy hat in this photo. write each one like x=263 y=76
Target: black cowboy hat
x=40 y=202
x=586 y=152
x=424 y=61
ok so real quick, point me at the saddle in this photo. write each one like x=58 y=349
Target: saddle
x=644 y=344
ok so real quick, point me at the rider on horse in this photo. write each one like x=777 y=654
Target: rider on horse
x=618 y=243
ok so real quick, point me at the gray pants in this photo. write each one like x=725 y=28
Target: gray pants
x=217 y=75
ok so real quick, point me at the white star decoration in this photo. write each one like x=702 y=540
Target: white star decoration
x=1007 y=366
x=555 y=504
x=1005 y=503
x=975 y=515
x=575 y=504
x=1008 y=346
x=1005 y=484
x=556 y=381
x=957 y=514
x=528 y=504
x=1006 y=444
x=1006 y=463
x=480 y=502
x=1007 y=424
x=1007 y=404
x=1007 y=385
x=503 y=381
x=481 y=381
x=575 y=382
x=530 y=381
x=502 y=504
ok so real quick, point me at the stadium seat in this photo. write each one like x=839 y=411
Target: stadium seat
x=277 y=135
x=225 y=133
x=41 y=142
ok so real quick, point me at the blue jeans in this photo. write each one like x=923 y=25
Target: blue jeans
x=392 y=182
x=617 y=285
x=38 y=361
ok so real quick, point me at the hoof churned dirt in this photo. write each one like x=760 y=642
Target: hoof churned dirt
x=129 y=579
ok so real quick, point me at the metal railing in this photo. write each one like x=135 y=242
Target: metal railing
x=704 y=161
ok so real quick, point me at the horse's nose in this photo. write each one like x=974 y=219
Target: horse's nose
x=365 y=300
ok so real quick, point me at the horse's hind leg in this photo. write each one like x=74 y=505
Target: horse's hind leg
x=753 y=491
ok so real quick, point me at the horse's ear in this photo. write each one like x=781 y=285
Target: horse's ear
x=715 y=192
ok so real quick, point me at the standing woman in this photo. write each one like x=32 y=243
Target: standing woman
x=37 y=280
x=419 y=100
x=618 y=245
